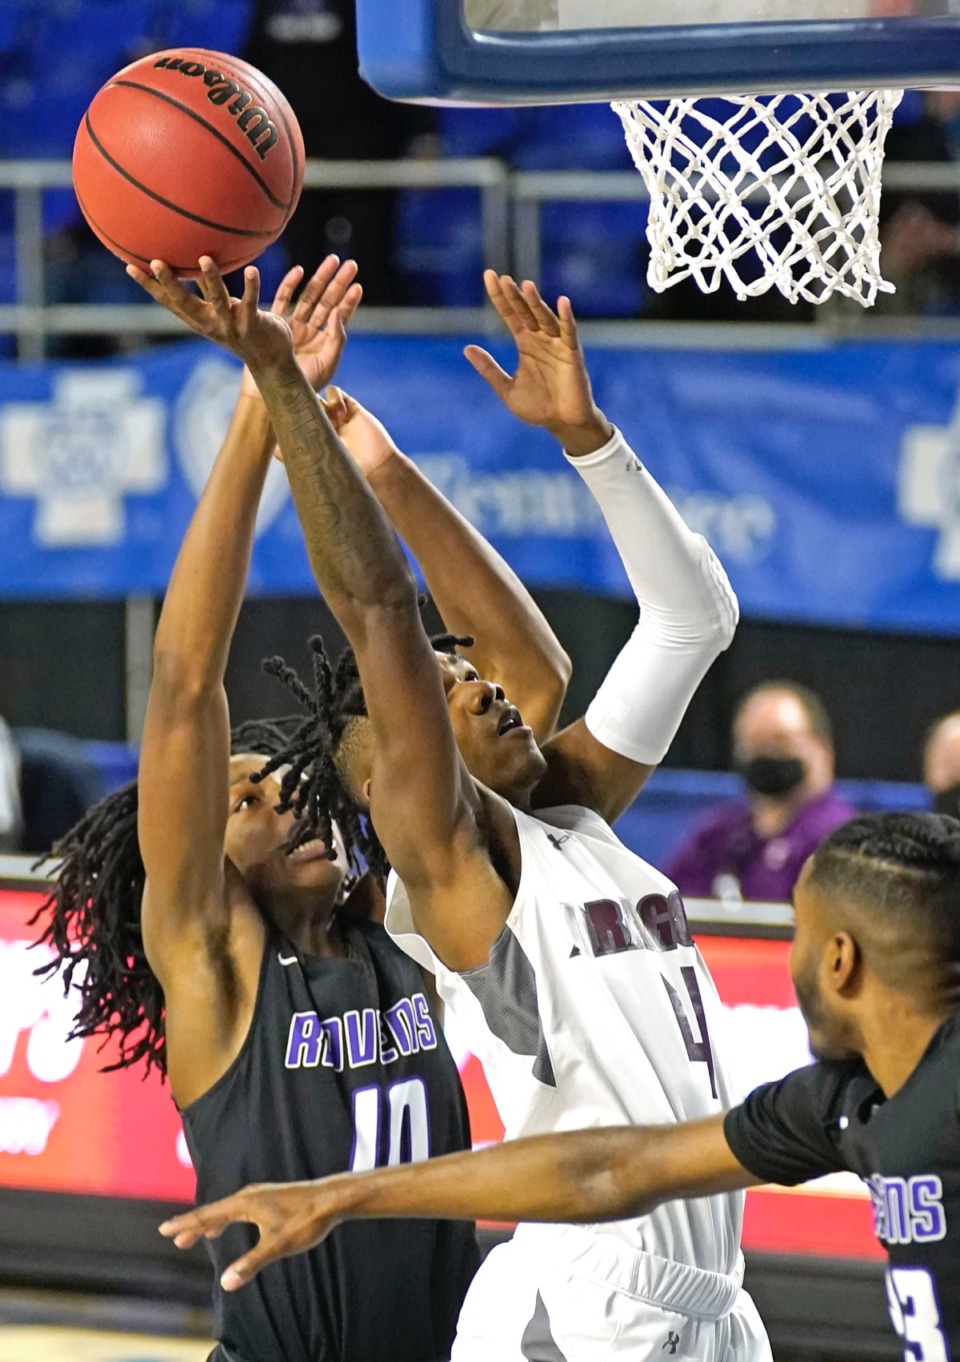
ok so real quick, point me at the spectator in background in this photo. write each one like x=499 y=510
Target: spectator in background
x=309 y=48
x=11 y=816
x=754 y=847
x=941 y=764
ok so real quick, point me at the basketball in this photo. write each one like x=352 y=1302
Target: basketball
x=187 y=153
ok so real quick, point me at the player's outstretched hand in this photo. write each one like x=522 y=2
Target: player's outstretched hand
x=368 y=442
x=317 y=319
x=261 y=339
x=291 y=1217
x=551 y=386
x=320 y=315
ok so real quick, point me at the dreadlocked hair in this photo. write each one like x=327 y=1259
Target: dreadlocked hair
x=94 y=931
x=314 y=786
x=92 y=917
x=265 y=736
x=905 y=866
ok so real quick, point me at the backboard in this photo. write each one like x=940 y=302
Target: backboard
x=562 y=51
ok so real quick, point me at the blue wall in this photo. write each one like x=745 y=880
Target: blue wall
x=827 y=480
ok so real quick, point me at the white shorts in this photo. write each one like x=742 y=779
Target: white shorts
x=564 y=1294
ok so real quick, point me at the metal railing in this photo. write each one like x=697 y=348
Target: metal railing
x=510 y=204
x=32 y=319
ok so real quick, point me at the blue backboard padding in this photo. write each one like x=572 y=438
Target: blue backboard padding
x=421 y=50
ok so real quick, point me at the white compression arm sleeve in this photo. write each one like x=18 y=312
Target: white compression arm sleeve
x=688 y=611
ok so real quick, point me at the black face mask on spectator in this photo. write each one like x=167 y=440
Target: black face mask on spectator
x=948 y=801
x=772 y=775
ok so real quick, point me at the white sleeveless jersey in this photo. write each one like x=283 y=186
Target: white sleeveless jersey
x=595 y=1009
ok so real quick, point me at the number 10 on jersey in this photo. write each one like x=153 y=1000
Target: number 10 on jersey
x=403 y=1109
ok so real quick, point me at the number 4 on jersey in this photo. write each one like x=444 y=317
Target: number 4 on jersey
x=698 y=1051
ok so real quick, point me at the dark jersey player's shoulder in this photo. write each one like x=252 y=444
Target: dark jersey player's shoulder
x=833 y=1117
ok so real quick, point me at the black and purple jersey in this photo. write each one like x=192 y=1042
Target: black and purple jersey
x=833 y=1117
x=344 y=1067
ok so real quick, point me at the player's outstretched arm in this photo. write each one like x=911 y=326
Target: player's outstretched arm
x=579 y=1176
x=688 y=611
x=424 y=803
x=184 y=760
x=475 y=591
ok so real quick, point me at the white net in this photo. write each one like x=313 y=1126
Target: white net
x=764 y=190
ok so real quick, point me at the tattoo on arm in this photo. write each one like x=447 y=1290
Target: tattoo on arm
x=352 y=548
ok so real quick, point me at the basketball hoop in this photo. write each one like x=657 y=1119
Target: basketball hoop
x=787 y=186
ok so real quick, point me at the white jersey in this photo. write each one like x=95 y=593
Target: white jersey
x=596 y=1009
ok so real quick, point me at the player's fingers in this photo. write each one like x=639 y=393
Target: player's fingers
x=244 y=1269
x=547 y=319
x=286 y=290
x=164 y=275
x=351 y=301
x=207 y=1221
x=139 y=276
x=501 y=302
x=518 y=304
x=491 y=282
x=148 y=283
x=488 y=368
x=337 y=289
x=568 y=323
x=315 y=287
x=251 y=291
x=164 y=287
x=193 y=1225
x=298 y=1234
x=334 y=402
x=169 y=285
x=348 y=405
x=212 y=286
x=335 y=338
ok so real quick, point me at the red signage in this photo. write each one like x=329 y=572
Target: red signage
x=767 y=1038
x=64 y=1126
x=67 y=1127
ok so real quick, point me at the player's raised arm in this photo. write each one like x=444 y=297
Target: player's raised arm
x=184 y=759
x=183 y=779
x=688 y=609
x=476 y=592
x=583 y=1176
x=424 y=804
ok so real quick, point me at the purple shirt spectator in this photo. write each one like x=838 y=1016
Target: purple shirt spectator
x=724 y=843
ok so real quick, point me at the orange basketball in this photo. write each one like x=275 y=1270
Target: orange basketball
x=188 y=153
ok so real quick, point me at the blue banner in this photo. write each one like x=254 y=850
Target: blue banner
x=828 y=479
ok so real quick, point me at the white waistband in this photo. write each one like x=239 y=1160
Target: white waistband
x=694 y=1291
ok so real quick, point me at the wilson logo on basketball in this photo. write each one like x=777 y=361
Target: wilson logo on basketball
x=187 y=153
x=252 y=119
